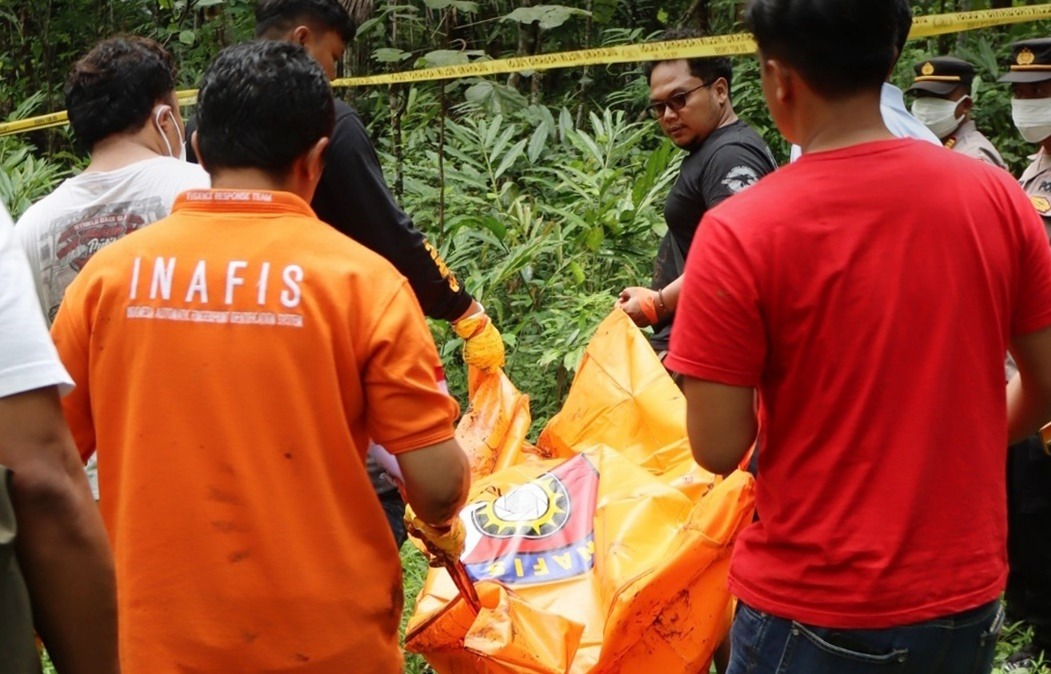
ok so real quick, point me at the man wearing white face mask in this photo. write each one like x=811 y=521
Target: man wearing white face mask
x=1030 y=78
x=124 y=112
x=1028 y=594
x=943 y=87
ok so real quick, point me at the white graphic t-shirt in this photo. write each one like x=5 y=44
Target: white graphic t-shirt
x=63 y=230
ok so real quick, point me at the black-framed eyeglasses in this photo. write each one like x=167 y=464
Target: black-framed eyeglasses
x=676 y=102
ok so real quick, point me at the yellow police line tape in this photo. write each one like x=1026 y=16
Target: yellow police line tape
x=721 y=45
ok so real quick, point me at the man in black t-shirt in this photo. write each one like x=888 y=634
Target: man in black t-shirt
x=353 y=197
x=690 y=99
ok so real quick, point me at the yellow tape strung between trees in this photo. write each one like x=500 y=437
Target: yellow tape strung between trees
x=721 y=45
x=60 y=118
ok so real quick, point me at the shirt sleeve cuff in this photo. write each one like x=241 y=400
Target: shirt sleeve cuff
x=22 y=378
x=719 y=375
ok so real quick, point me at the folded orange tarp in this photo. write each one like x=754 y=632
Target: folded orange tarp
x=602 y=549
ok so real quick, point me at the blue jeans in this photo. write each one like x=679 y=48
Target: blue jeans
x=963 y=643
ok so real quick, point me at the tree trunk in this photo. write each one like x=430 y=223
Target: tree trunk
x=526 y=45
x=585 y=72
x=397 y=108
x=698 y=10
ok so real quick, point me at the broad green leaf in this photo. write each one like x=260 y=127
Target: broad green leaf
x=461 y=5
x=577 y=271
x=187 y=37
x=366 y=26
x=548 y=16
x=502 y=141
x=509 y=159
x=489 y=135
x=594 y=238
x=495 y=226
x=496 y=98
x=537 y=143
x=565 y=124
x=389 y=55
x=604 y=10
x=447 y=57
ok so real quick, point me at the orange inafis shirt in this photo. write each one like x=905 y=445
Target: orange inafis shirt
x=231 y=362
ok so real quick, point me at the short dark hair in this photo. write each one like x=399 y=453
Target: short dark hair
x=707 y=69
x=262 y=105
x=839 y=47
x=273 y=17
x=903 y=17
x=115 y=86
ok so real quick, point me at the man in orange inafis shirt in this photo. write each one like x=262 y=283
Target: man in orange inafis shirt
x=231 y=362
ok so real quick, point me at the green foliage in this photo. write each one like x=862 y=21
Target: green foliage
x=25 y=176
x=551 y=220
x=545 y=16
x=1013 y=639
x=414 y=572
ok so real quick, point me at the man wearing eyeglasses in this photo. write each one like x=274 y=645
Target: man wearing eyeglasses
x=690 y=99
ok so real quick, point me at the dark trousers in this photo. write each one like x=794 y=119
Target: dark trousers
x=18 y=653
x=1029 y=538
x=394 y=509
x=963 y=643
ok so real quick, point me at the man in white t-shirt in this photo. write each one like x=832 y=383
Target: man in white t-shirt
x=124 y=111
x=56 y=569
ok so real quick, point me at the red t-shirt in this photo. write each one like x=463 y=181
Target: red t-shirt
x=870 y=294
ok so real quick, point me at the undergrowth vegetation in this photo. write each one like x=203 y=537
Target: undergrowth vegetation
x=544 y=221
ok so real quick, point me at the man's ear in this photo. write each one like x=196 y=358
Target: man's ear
x=315 y=159
x=160 y=115
x=300 y=35
x=782 y=80
x=965 y=106
x=722 y=89
x=197 y=150
x=306 y=171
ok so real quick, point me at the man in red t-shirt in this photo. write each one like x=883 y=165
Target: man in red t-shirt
x=872 y=316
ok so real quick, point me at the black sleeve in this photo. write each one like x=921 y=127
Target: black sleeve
x=353 y=197
x=730 y=169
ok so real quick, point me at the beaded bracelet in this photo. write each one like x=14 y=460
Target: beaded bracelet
x=660 y=298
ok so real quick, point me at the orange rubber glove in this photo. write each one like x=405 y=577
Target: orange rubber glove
x=483 y=346
x=443 y=544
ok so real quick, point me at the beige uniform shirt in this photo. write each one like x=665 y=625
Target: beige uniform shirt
x=1036 y=181
x=969 y=141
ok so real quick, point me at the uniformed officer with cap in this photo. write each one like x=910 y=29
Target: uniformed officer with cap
x=1029 y=464
x=943 y=103
x=1030 y=78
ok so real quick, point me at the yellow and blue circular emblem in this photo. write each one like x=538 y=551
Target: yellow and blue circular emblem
x=538 y=531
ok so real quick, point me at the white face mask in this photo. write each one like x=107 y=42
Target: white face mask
x=938 y=114
x=1032 y=117
x=167 y=143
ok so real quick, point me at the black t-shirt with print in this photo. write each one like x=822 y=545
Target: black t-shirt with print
x=729 y=160
x=353 y=197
